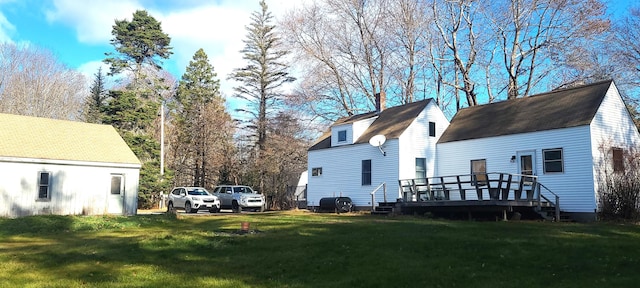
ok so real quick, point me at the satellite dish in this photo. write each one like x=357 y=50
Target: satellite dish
x=377 y=141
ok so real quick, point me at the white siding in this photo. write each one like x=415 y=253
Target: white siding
x=415 y=142
x=611 y=127
x=338 y=128
x=360 y=126
x=353 y=130
x=342 y=168
x=574 y=185
x=75 y=190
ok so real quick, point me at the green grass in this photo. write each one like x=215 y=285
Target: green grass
x=297 y=249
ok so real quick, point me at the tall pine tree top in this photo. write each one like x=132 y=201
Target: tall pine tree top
x=138 y=42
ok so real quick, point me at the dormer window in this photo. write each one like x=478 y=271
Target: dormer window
x=342 y=136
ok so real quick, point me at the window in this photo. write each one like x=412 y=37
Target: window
x=553 y=162
x=479 y=172
x=316 y=171
x=44 y=185
x=366 y=172
x=432 y=129
x=116 y=184
x=421 y=168
x=618 y=159
x=342 y=136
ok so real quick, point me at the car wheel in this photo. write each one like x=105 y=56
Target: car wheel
x=187 y=207
x=235 y=207
x=170 y=208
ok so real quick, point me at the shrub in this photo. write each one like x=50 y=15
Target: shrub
x=619 y=191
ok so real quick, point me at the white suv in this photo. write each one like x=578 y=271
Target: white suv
x=239 y=197
x=192 y=199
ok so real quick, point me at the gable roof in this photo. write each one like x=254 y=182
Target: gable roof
x=552 y=110
x=42 y=138
x=391 y=123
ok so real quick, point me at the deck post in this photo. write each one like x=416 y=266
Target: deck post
x=384 y=191
x=557 y=208
x=509 y=178
x=373 y=202
x=504 y=214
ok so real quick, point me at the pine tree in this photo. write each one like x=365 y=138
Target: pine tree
x=96 y=99
x=202 y=124
x=264 y=73
x=138 y=42
x=133 y=111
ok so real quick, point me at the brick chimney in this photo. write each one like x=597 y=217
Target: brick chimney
x=381 y=100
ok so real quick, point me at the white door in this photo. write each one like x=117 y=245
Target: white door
x=116 y=195
x=527 y=166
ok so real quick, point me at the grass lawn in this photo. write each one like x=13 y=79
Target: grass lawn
x=302 y=249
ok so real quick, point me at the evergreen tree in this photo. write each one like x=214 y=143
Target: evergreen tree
x=202 y=125
x=138 y=42
x=96 y=99
x=134 y=110
x=264 y=73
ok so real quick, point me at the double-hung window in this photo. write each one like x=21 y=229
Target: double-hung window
x=366 y=172
x=553 y=160
x=44 y=185
x=479 y=171
x=421 y=168
x=432 y=129
x=618 y=160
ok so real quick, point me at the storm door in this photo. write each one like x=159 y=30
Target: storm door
x=527 y=166
x=116 y=194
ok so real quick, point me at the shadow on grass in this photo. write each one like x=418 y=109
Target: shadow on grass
x=318 y=250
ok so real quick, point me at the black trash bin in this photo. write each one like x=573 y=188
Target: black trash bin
x=337 y=204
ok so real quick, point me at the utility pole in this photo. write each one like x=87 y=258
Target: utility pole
x=162 y=138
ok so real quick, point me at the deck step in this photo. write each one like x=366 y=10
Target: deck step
x=383 y=209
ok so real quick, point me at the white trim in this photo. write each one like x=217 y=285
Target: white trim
x=68 y=162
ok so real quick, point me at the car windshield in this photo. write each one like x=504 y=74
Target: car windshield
x=198 y=191
x=242 y=190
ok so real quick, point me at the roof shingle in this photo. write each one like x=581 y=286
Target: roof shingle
x=391 y=123
x=552 y=110
x=42 y=138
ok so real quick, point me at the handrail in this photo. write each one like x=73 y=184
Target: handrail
x=373 y=194
x=556 y=204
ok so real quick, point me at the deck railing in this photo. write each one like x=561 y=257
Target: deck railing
x=373 y=194
x=482 y=186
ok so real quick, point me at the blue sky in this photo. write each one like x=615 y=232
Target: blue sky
x=78 y=31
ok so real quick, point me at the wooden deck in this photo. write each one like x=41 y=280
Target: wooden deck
x=501 y=193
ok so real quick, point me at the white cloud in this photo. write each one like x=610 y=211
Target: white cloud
x=218 y=30
x=92 y=20
x=218 y=27
x=6 y=29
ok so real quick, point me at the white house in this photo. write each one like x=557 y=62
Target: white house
x=66 y=168
x=566 y=137
x=343 y=163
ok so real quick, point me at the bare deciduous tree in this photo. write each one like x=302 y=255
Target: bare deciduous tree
x=537 y=36
x=345 y=51
x=455 y=25
x=34 y=83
